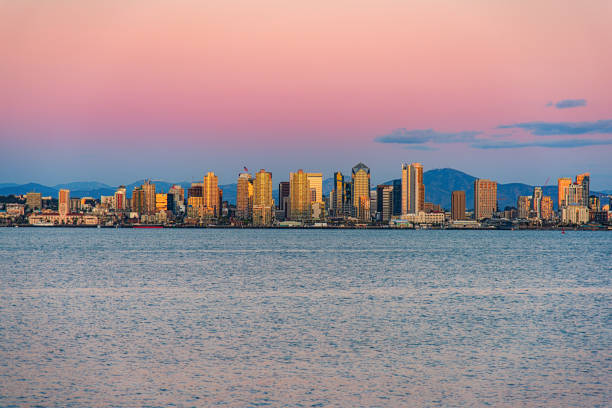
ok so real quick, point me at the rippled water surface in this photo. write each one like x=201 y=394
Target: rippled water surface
x=109 y=317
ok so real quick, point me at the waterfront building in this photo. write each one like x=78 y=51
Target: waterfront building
x=283 y=197
x=373 y=203
x=536 y=202
x=337 y=195
x=149 y=197
x=299 y=196
x=120 y=199
x=244 y=196
x=584 y=180
x=34 y=201
x=384 y=202
x=575 y=214
x=361 y=192
x=63 y=204
x=458 y=205
x=138 y=200
x=594 y=203
x=575 y=195
x=178 y=194
x=348 y=199
x=161 y=202
x=397 y=197
x=413 y=189
x=485 y=198
x=315 y=181
x=210 y=195
x=263 y=203
x=562 y=186
x=546 y=208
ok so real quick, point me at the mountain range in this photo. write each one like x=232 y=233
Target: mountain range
x=439 y=183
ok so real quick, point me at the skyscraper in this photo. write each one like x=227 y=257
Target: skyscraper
x=262 y=198
x=485 y=198
x=299 y=196
x=315 y=180
x=120 y=200
x=149 y=197
x=562 y=185
x=244 y=196
x=384 y=202
x=178 y=195
x=361 y=192
x=458 y=205
x=397 y=197
x=413 y=189
x=210 y=195
x=64 y=204
x=584 y=180
x=546 y=208
x=523 y=205
x=536 y=202
x=338 y=195
x=575 y=195
x=283 y=197
x=138 y=200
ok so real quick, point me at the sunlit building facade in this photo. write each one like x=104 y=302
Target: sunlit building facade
x=299 y=196
x=263 y=204
x=485 y=198
x=361 y=192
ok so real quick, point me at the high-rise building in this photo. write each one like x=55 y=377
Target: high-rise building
x=263 y=204
x=315 y=180
x=397 y=197
x=210 y=195
x=361 y=192
x=283 y=197
x=384 y=202
x=138 y=200
x=458 y=205
x=348 y=199
x=149 y=197
x=337 y=196
x=575 y=195
x=195 y=200
x=584 y=180
x=536 y=202
x=413 y=189
x=562 y=185
x=34 y=201
x=161 y=202
x=64 y=204
x=299 y=196
x=546 y=208
x=244 y=196
x=594 y=203
x=120 y=199
x=523 y=206
x=485 y=198
x=178 y=194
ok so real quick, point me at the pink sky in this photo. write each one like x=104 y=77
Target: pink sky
x=280 y=84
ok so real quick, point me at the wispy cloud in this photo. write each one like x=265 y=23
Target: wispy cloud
x=563 y=128
x=568 y=103
x=420 y=136
x=558 y=144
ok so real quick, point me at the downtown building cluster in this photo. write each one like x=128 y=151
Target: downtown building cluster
x=300 y=201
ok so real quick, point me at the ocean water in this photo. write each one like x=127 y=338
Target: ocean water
x=303 y=318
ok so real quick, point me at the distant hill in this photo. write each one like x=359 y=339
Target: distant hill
x=29 y=187
x=439 y=184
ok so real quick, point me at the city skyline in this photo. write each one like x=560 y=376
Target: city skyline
x=155 y=91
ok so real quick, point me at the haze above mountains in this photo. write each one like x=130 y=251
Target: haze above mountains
x=439 y=183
